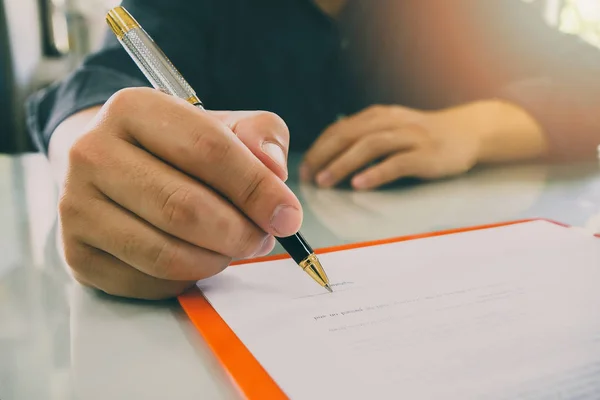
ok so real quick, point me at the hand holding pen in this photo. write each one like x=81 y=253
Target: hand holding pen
x=163 y=75
x=158 y=194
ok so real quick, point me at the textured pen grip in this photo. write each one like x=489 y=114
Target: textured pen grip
x=156 y=66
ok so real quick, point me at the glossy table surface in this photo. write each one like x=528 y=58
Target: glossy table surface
x=61 y=341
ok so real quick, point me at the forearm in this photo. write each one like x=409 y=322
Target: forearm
x=496 y=131
x=64 y=137
x=514 y=55
x=508 y=133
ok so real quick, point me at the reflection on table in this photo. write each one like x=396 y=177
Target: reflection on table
x=60 y=341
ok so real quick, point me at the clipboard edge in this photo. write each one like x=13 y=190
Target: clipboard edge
x=246 y=373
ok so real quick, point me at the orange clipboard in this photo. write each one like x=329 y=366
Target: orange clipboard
x=246 y=372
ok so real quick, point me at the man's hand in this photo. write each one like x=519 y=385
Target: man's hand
x=160 y=194
x=405 y=142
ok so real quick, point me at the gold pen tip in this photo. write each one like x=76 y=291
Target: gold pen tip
x=312 y=266
x=328 y=288
x=120 y=21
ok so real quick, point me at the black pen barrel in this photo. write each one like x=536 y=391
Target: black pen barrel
x=296 y=246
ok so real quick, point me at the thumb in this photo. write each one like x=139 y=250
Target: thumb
x=264 y=133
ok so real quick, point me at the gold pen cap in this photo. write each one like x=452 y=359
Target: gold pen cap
x=120 y=21
x=150 y=59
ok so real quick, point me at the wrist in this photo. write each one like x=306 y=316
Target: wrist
x=506 y=132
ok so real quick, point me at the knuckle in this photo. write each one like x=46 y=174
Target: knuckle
x=377 y=109
x=398 y=111
x=381 y=143
x=229 y=231
x=273 y=122
x=248 y=243
x=85 y=151
x=123 y=99
x=91 y=150
x=166 y=259
x=369 y=143
x=419 y=134
x=170 y=262
x=129 y=245
x=241 y=240
x=251 y=191
x=211 y=147
x=340 y=141
x=177 y=206
x=388 y=137
x=68 y=209
x=77 y=258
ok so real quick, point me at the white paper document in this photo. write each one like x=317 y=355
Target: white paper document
x=504 y=313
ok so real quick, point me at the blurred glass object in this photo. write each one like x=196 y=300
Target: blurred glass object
x=55 y=27
x=581 y=17
x=60 y=27
x=94 y=12
x=68 y=24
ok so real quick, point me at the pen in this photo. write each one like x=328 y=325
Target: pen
x=163 y=76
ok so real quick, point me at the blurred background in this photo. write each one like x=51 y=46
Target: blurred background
x=42 y=40
x=55 y=338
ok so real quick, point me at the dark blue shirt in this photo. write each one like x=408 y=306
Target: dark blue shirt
x=286 y=56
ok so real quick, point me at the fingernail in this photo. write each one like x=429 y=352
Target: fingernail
x=304 y=173
x=265 y=247
x=285 y=220
x=324 y=178
x=360 y=182
x=275 y=153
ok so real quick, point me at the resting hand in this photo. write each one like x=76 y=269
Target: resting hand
x=404 y=142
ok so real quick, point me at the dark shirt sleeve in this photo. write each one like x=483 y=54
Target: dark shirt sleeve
x=555 y=77
x=179 y=27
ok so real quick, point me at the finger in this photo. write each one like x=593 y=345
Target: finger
x=202 y=146
x=95 y=268
x=136 y=243
x=264 y=133
x=174 y=202
x=342 y=134
x=395 y=167
x=364 y=151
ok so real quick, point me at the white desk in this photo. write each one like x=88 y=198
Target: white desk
x=60 y=341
